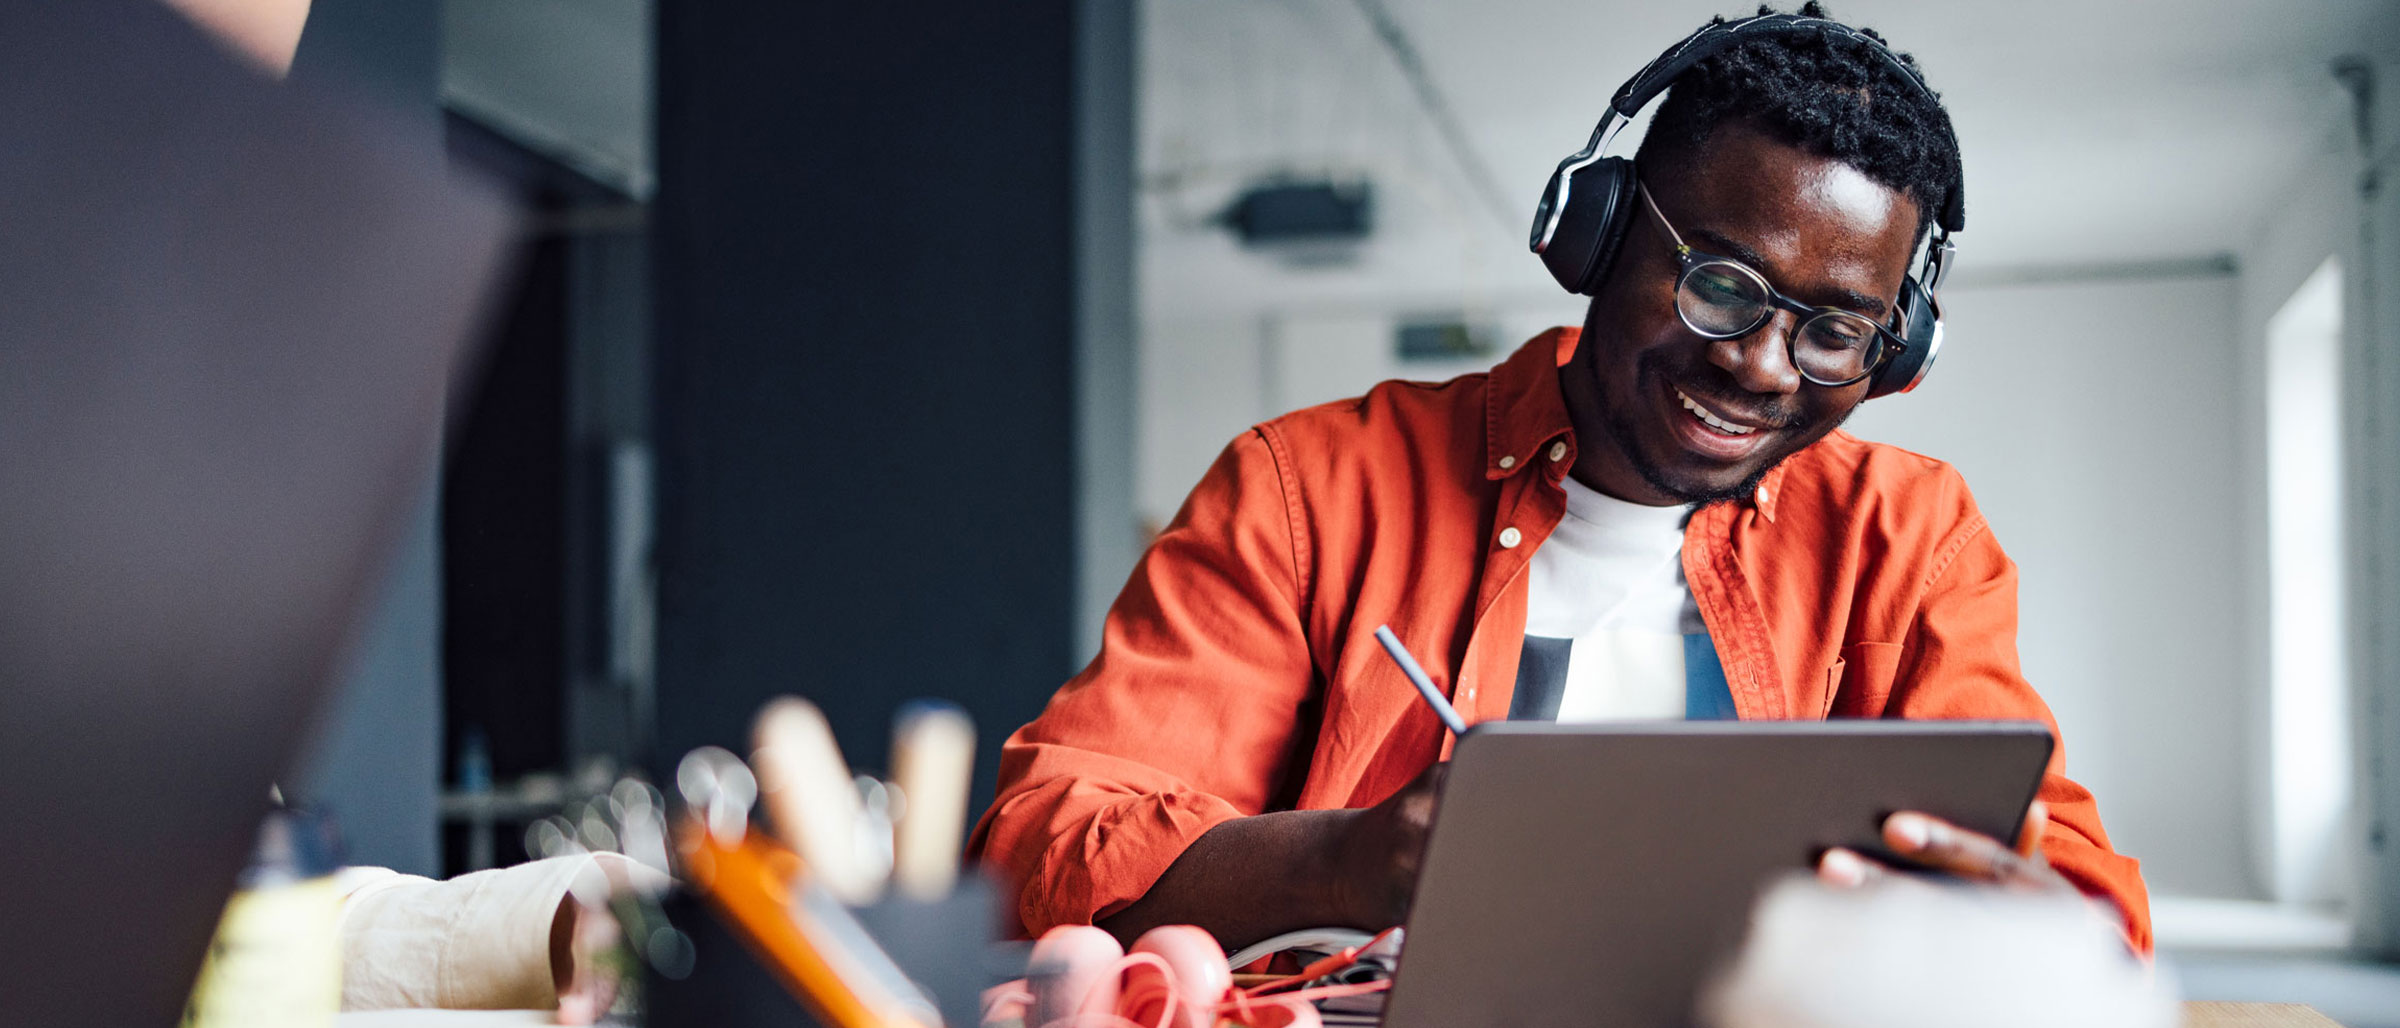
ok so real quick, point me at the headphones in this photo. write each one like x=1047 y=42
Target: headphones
x=1589 y=201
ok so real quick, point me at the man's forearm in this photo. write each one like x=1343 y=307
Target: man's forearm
x=1249 y=879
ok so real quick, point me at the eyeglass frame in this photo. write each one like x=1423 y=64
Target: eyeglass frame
x=1887 y=341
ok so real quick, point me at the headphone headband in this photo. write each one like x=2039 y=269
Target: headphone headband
x=1715 y=38
x=1586 y=206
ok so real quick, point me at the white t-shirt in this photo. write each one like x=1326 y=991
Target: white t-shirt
x=1611 y=631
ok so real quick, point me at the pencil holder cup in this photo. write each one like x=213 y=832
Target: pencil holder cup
x=947 y=946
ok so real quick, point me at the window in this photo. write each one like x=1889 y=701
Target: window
x=2309 y=694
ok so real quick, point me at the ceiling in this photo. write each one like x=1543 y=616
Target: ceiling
x=2095 y=132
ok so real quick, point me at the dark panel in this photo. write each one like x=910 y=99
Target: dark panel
x=865 y=318
x=503 y=552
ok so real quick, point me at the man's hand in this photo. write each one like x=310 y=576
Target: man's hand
x=1253 y=877
x=1933 y=844
x=1377 y=856
x=583 y=968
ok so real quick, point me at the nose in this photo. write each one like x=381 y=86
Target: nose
x=1761 y=362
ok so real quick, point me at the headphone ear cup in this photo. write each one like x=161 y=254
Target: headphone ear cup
x=1071 y=969
x=1921 y=327
x=1592 y=226
x=1201 y=974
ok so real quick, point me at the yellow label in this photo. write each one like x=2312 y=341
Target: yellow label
x=276 y=961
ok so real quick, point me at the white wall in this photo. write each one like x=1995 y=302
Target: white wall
x=2317 y=217
x=2375 y=520
x=2372 y=367
x=2095 y=423
x=1206 y=379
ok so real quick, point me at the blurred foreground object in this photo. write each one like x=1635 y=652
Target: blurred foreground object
x=276 y=962
x=780 y=905
x=809 y=903
x=1901 y=953
x=810 y=797
x=933 y=762
x=229 y=312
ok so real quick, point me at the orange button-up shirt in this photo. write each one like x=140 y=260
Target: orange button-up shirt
x=1239 y=672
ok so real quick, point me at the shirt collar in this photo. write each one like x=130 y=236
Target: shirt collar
x=1525 y=415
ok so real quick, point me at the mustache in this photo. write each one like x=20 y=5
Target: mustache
x=1710 y=385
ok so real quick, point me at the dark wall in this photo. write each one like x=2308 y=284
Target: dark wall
x=865 y=313
x=503 y=552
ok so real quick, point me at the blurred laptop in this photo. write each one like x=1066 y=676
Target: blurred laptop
x=229 y=312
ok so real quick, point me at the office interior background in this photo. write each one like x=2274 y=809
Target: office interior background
x=855 y=352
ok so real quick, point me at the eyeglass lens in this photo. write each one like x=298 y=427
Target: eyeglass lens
x=1722 y=300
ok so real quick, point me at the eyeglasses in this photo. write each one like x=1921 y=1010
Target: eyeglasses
x=1722 y=298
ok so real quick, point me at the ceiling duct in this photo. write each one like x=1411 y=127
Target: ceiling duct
x=1307 y=221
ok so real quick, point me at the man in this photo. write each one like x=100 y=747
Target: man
x=1654 y=516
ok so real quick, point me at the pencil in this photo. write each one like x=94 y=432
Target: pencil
x=1416 y=675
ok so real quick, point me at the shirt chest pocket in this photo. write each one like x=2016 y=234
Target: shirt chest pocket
x=1860 y=680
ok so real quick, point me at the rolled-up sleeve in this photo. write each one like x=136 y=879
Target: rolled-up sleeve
x=1188 y=717
x=476 y=942
x=479 y=941
x=1962 y=663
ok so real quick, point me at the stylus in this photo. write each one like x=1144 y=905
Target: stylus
x=1416 y=675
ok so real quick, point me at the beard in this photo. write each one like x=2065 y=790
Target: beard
x=1652 y=372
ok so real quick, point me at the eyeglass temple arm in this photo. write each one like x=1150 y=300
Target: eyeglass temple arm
x=1644 y=189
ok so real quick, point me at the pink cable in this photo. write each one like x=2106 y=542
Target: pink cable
x=1095 y=1019
x=1003 y=994
x=1152 y=1000
x=1239 y=1004
x=1332 y=991
x=1144 y=994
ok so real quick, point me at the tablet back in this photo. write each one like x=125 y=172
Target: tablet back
x=1595 y=874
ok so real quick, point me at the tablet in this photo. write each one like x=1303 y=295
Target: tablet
x=1596 y=874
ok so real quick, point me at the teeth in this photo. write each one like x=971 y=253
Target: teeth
x=1715 y=422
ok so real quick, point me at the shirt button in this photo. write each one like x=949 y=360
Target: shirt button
x=1507 y=463
x=1558 y=452
x=1510 y=537
x=1467 y=693
x=1763 y=497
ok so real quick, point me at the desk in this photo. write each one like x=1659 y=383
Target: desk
x=2195 y=1015
x=442 y=1019
x=2253 y=1015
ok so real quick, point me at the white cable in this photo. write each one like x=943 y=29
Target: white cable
x=1327 y=940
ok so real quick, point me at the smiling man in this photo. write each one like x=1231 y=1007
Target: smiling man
x=1655 y=516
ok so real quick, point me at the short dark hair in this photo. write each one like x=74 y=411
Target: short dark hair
x=1824 y=93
